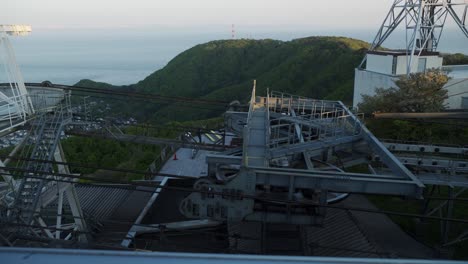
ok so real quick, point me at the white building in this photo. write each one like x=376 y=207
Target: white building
x=384 y=67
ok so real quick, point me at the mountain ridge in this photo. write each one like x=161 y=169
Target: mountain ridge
x=317 y=67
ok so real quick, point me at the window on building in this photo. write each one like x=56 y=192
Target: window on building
x=394 y=64
x=464 y=103
x=422 y=64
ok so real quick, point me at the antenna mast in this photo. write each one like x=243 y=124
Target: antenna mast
x=424 y=22
x=233 y=32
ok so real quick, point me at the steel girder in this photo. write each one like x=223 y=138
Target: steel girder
x=337 y=181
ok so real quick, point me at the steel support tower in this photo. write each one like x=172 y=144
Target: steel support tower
x=44 y=207
x=15 y=105
x=423 y=21
x=38 y=206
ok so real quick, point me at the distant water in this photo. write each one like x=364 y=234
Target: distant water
x=127 y=56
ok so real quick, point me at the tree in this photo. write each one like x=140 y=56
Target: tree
x=455 y=59
x=418 y=92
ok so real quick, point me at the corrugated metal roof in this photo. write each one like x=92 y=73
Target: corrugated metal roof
x=110 y=207
x=101 y=201
x=105 y=201
x=340 y=236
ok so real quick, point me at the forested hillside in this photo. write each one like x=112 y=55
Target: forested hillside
x=319 y=67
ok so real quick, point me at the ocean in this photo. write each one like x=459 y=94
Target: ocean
x=126 y=56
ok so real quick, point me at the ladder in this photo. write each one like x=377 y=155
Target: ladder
x=46 y=131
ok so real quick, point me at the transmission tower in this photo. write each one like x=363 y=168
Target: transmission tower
x=423 y=21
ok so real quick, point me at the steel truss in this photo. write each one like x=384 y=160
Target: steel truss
x=282 y=132
x=444 y=208
x=15 y=103
x=42 y=207
x=444 y=169
x=423 y=22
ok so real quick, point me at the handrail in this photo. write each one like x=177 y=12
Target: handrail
x=412 y=142
x=252 y=102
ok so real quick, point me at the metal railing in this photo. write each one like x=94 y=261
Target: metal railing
x=45 y=133
x=318 y=119
x=252 y=103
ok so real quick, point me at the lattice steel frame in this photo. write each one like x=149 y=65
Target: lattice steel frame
x=16 y=106
x=424 y=22
x=30 y=220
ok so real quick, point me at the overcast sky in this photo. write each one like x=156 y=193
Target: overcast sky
x=328 y=14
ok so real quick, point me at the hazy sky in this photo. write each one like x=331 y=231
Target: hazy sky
x=130 y=13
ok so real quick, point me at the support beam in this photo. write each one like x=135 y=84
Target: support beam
x=396 y=146
x=77 y=213
x=386 y=156
x=435 y=164
x=293 y=219
x=337 y=181
x=46 y=230
x=72 y=197
x=58 y=223
x=309 y=146
x=152 y=140
x=7 y=178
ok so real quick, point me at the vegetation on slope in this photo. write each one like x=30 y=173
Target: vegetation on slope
x=455 y=59
x=313 y=66
x=318 y=67
x=106 y=153
x=418 y=92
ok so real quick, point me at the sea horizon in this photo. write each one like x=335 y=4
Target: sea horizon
x=126 y=56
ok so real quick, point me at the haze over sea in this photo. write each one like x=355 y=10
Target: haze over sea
x=126 y=56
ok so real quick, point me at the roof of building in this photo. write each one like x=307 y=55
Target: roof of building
x=457 y=71
x=402 y=52
x=112 y=207
x=102 y=201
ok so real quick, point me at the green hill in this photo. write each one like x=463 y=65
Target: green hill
x=318 y=67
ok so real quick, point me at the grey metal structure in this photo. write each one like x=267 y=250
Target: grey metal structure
x=42 y=98
x=423 y=21
x=440 y=167
x=292 y=148
x=106 y=133
x=34 y=191
x=292 y=163
x=15 y=104
x=294 y=155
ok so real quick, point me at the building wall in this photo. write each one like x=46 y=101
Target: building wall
x=401 y=65
x=379 y=63
x=378 y=74
x=431 y=62
x=457 y=87
x=365 y=82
